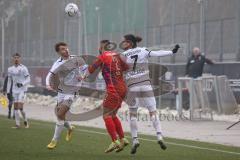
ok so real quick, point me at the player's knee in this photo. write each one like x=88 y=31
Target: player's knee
x=133 y=118
x=152 y=111
x=154 y=116
x=133 y=112
x=15 y=105
x=60 y=116
x=114 y=116
x=108 y=114
x=60 y=122
x=133 y=122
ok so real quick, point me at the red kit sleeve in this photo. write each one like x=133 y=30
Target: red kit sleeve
x=97 y=63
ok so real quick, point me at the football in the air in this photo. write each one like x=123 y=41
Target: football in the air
x=71 y=9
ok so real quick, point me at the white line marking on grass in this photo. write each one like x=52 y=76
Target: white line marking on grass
x=149 y=140
x=171 y=143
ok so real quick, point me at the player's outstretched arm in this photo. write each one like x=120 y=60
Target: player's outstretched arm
x=162 y=53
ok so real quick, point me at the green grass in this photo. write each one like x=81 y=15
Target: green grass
x=30 y=144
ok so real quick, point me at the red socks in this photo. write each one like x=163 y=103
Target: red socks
x=114 y=127
x=110 y=125
x=118 y=126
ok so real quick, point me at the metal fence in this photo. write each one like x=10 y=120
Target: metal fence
x=32 y=27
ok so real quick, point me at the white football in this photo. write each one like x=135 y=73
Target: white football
x=71 y=9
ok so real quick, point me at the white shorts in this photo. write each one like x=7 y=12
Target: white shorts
x=19 y=97
x=141 y=95
x=66 y=99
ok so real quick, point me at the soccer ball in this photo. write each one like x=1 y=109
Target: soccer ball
x=71 y=9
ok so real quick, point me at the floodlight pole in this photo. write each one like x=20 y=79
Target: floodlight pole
x=202 y=25
x=98 y=23
x=80 y=51
x=3 y=43
x=238 y=30
x=85 y=28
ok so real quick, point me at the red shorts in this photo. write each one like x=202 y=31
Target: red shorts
x=114 y=100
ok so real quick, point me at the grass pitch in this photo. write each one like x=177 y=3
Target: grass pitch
x=89 y=144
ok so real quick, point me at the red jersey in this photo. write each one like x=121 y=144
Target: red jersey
x=112 y=70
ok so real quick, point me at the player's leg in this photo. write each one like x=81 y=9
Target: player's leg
x=124 y=142
x=118 y=102
x=149 y=101
x=118 y=125
x=70 y=129
x=134 y=128
x=133 y=122
x=111 y=128
x=68 y=100
x=9 y=96
x=132 y=102
x=13 y=108
x=157 y=126
x=17 y=117
x=23 y=113
x=16 y=110
x=64 y=102
x=60 y=112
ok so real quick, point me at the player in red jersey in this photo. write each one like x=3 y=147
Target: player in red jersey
x=112 y=67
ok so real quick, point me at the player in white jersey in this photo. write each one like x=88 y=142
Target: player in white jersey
x=19 y=78
x=66 y=94
x=140 y=91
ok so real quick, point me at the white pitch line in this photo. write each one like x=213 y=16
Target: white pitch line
x=149 y=140
x=171 y=143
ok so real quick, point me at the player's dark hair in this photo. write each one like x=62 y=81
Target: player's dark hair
x=105 y=41
x=134 y=39
x=16 y=54
x=57 y=45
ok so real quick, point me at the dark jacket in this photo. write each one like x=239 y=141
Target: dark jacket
x=195 y=65
x=5 y=89
x=5 y=84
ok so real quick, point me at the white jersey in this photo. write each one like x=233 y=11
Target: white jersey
x=18 y=74
x=56 y=64
x=62 y=74
x=137 y=59
x=54 y=68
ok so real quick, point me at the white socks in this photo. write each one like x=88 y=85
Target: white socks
x=58 y=130
x=157 y=125
x=133 y=126
x=23 y=115
x=59 y=127
x=17 y=117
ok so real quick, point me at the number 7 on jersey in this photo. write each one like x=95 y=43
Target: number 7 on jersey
x=135 y=57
